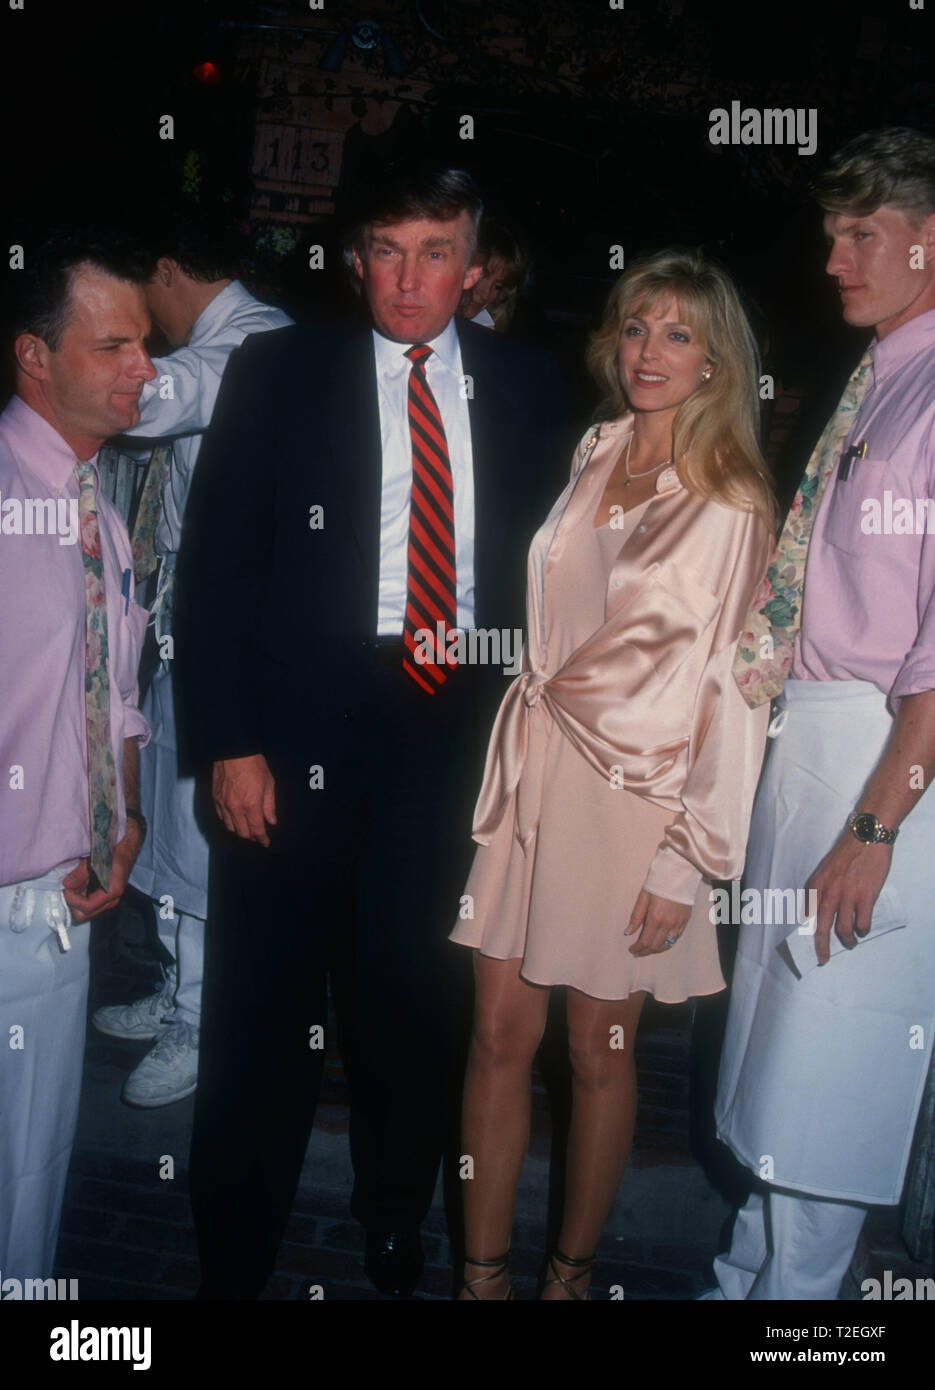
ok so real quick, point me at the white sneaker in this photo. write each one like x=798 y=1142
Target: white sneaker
x=140 y=1021
x=169 y=1071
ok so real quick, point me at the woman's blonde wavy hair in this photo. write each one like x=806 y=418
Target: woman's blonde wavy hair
x=716 y=431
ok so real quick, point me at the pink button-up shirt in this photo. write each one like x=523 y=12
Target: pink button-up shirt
x=44 y=814
x=869 y=606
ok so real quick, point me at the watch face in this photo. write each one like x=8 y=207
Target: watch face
x=865 y=826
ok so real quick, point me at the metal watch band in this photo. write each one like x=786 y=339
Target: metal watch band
x=867 y=828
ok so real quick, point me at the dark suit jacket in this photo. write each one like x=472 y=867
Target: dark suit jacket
x=273 y=617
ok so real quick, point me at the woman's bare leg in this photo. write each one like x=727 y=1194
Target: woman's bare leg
x=602 y=1119
x=509 y=1020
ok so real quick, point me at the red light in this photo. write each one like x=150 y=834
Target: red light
x=207 y=73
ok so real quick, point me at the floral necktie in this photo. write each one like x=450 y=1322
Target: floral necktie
x=149 y=511
x=102 y=774
x=767 y=642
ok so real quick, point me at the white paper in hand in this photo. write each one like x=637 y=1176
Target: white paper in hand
x=800 y=942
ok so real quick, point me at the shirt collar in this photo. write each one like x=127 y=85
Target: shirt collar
x=391 y=356
x=213 y=314
x=900 y=346
x=37 y=445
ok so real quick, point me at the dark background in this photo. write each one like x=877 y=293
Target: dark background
x=590 y=129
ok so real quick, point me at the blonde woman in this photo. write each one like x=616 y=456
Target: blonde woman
x=623 y=761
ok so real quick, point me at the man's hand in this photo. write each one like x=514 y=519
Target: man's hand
x=848 y=882
x=85 y=904
x=659 y=918
x=245 y=796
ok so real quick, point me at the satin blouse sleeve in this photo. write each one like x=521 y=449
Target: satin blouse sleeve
x=708 y=836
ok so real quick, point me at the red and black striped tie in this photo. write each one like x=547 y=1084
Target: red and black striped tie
x=432 y=587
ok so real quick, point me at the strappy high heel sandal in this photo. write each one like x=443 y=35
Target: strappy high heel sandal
x=567 y=1281
x=497 y=1267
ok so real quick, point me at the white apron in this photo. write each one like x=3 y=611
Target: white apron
x=823 y=1075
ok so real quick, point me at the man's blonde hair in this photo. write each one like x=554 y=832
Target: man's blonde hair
x=894 y=166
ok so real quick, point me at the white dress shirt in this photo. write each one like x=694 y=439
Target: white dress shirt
x=444 y=374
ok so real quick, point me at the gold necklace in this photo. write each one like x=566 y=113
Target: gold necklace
x=646 y=471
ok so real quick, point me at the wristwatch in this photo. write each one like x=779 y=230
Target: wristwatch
x=869 y=830
x=133 y=814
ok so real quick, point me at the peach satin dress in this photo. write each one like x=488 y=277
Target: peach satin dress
x=565 y=843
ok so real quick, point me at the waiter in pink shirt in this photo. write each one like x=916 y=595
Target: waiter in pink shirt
x=70 y=728
x=829 y=1035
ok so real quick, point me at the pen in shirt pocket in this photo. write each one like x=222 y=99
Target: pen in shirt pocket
x=125 y=589
x=850 y=456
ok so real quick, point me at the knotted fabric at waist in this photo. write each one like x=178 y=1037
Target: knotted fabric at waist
x=585 y=700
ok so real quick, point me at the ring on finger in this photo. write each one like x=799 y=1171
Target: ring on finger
x=670 y=940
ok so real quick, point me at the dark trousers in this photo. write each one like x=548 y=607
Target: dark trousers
x=378 y=877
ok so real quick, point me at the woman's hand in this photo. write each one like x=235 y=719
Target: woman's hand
x=659 y=918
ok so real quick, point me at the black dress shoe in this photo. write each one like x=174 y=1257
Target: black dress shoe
x=394 y=1261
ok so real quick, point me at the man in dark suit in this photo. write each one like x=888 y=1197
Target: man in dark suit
x=359 y=489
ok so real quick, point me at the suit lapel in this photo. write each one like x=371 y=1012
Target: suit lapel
x=356 y=449
x=354 y=430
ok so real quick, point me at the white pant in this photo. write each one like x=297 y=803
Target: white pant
x=786 y=1246
x=183 y=936
x=43 y=1000
x=173 y=861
